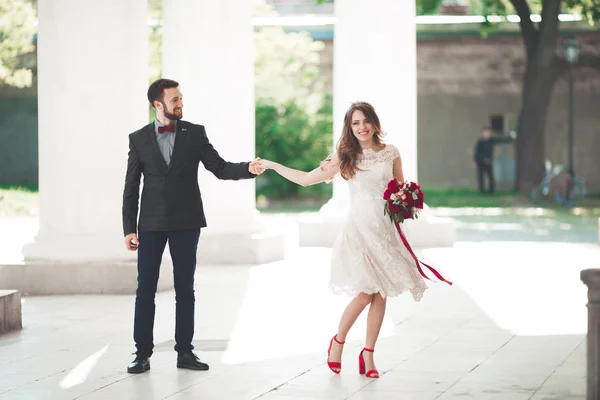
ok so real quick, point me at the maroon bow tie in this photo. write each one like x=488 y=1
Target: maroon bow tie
x=166 y=128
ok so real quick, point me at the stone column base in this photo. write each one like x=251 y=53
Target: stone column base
x=53 y=278
x=241 y=248
x=319 y=230
x=78 y=264
x=591 y=278
x=10 y=311
x=51 y=268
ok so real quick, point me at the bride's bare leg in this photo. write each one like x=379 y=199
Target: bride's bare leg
x=374 y=322
x=349 y=317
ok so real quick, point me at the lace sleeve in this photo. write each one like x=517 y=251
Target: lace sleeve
x=394 y=152
x=329 y=159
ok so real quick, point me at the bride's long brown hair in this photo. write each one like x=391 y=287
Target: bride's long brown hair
x=348 y=148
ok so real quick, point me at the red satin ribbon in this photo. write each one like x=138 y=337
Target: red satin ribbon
x=417 y=261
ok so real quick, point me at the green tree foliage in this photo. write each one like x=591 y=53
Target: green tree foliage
x=294 y=115
x=17 y=30
x=288 y=134
x=155 y=12
x=287 y=68
x=155 y=8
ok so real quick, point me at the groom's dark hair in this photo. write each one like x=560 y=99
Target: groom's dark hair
x=156 y=91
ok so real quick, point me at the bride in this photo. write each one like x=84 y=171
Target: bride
x=369 y=262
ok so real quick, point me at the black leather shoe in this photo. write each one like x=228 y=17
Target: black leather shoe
x=139 y=365
x=190 y=361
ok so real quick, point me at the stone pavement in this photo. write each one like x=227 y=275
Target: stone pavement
x=512 y=327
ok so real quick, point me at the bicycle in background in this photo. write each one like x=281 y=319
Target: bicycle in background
x=557 y=183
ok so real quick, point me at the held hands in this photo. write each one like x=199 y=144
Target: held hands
x=258 y=166
x=266 y=164
x=255 y=167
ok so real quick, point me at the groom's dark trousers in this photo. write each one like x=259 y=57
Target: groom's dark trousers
x=183 y=246
x=171 y=211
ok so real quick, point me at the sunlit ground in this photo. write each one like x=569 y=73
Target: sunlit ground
x=516 y=276
x=526 y=288
x=81 y=371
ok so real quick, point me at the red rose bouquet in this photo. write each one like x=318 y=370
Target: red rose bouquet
x=403 y=200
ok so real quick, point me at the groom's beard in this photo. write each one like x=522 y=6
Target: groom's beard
x=170 y=115
x=173 y=117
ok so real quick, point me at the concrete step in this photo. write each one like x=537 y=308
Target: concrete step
x=10 y=310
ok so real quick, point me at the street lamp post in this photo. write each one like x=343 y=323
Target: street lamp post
x=571 y=53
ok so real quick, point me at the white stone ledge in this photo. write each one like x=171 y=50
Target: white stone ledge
x=52 y=278
x=10 y=310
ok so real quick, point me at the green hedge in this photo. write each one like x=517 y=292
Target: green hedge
x=290 y=135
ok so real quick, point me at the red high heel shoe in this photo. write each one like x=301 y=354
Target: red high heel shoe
x=372 y=373
x=333 y=365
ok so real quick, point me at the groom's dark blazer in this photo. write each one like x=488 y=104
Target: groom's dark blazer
x=171 y=197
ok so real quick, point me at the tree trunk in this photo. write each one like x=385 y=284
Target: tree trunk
x=537 y=93
x=538 y=85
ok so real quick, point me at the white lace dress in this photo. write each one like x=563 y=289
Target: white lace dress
x=368 y=256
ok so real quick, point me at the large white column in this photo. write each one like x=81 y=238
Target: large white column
x=375 y=61
x=92 y=82
x=208 y=47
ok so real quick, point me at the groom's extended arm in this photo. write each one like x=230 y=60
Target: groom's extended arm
x=131 y=191
x=220 y=168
